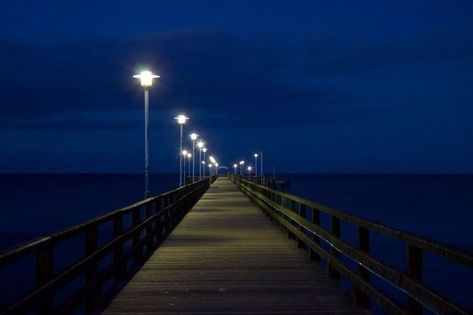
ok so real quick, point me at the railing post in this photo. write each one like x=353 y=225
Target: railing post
x=316 y=220
x=93 y=290
x=149 y=228
x=414 y=271
x=137 y=248
x=361 y=298
x=119 y=264
x=44 y=273
x=300 y=243
x=335 y=229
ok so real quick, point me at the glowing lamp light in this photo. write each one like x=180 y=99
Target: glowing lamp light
x=204 y=150
x=235 y=165
x=200 y=144
x=194 y=136
x=249 y=168
x=146 y=78
x=181 y=119
x=242 y=162
x=189 y=155
x=184 y=152
x=203 y=162
x=256 y=155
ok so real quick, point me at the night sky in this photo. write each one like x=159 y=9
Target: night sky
x=318 y=86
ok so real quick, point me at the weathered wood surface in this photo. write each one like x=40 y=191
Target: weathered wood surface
x=227 y=257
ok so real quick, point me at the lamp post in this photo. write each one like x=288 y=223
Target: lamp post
x=216 y=168
x=183 y=156
x=189 y=162
x=146 y=78
x=256 y=164
x=193 y=138
x=241 y=167
x=234 y=168
x=249 y=171
x=181 y=120
x=200 y=145
x=210 y=169
x=203 y=161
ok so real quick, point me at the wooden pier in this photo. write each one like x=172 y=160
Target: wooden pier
x=226 y=257
x=216 y=246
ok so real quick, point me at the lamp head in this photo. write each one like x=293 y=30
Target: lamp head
x=189 y=155
x=194 y=136
x=200 y=144
x=146 y=78
x=249 y=168
x=256 y=155
x=184 y=152
x=204 y=150
x=235 y=165
x=242 y=162
x=181 y=119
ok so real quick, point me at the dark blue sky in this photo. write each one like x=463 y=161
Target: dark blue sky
x=319 y=86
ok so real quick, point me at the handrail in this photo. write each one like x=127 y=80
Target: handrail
x=152 y=220
x=290 y=211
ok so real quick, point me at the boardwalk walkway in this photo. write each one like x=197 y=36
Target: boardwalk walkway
x=227 y=257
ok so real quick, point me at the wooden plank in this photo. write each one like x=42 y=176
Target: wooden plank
x=227 y=257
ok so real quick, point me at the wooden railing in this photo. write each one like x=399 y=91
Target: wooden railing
x=291 y=212
x=150 y=221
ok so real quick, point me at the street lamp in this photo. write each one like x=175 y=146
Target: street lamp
x=189 y=162
x=203 y=161
x=200 y=145
x=183 y=156
x=181 y=120
x=234 y=168
x=216 y=168
x=256 y=164
x=249 y=171
x=146 y=78
x=194 y=137
x=210 y=169
x=241 y=167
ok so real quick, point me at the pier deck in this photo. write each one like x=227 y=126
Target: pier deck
x=227 y=257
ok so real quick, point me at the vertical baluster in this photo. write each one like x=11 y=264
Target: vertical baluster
x=137 y=248
x=335 y=229
x=44 y=273
x=149 y=228
x=362 y=299
x=414 y=271
x=119 y=263
x=316 y=220
x=300 y=243
x=93 y=290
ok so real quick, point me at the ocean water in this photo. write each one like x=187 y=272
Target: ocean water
x=437 y=206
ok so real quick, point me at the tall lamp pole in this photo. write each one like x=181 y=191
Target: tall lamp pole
x=234 y=168
x=183 y=156
x=146 y=78
x=189 y=162
x=181 y=120
x=241 y=167
x=200 y=145
x=256 y=164
x=203 y=161
x=193 y=138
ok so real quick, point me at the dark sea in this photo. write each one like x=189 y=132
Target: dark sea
x=437 y=206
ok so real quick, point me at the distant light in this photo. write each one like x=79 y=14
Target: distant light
x=216 y=164
x=242 y=162
x=194 y=136
x=146 y=78
x=212 y=159
x=189 y=155
x=249 y=168
x=204 y=150
x=256 y=154
x=235 y=165
x=203 y=162
x=200 y=144
x=184 y=152
x=210 y=165
x=181 y=119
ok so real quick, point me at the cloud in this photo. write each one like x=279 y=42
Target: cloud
x=206 y=71
x=326 y=58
